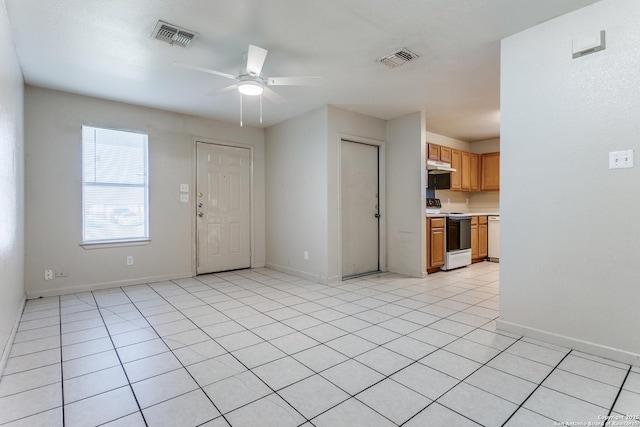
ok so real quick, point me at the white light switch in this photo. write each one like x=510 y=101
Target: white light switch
x=184 y=188
x=184 y=198
x=621 y=159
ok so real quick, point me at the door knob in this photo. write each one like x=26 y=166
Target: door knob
x=200 y=214
x=200 y=204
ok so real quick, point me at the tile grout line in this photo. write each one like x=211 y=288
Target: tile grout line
x=615 y=400
x=99 y=309
x=61 y=362
x=535 y=389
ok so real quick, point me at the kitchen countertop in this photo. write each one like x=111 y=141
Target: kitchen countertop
x=443 y=214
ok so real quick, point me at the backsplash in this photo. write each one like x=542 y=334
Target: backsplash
x=456 y=201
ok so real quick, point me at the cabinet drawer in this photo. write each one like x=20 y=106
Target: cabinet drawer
x=482 y=219
x=474 y=220
x=436 y=222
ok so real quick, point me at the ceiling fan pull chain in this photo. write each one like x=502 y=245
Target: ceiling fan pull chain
x=240 y=110
x=260 y=108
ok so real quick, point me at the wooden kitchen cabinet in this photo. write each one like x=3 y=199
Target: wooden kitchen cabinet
x=483 y=237
x=474 y=169
x=445 y=154
x=490 y=171
x=435 y=244
x=474 y=238
x=479 y=238
x=465 y=176
x=456 y=163
x=433 y=151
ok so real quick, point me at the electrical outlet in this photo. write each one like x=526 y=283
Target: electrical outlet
x=306 y=255
x=48 y=274
x=184 y=188
x=184 y=198
x=130 y=260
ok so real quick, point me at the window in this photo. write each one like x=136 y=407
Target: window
x=115 y=186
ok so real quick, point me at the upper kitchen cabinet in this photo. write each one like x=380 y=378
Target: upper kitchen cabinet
x=456 y=163
x=438 y=153
x=490 y=171
x=474 y=169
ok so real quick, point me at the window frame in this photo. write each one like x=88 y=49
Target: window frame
x=116 y=241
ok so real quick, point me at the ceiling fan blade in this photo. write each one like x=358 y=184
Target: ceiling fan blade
x=294 y=81
x=272 y=96
x=255 y=59
x=223 y=90
x=206 y=70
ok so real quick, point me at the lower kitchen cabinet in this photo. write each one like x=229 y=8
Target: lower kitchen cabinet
x=435 y=244
x=479 y=237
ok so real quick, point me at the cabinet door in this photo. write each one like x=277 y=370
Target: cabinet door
x=474 y=169
x=482 y=240
x=433 y=152
x=437 y=247
x=466 y=170
x=490 y=172
x=445 y=154
x=474 y=241
x=456 y=163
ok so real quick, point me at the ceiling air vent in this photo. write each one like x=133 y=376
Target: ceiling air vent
x=398 y=58
x=172 y=34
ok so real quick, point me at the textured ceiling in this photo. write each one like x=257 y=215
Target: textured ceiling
x=104 y=48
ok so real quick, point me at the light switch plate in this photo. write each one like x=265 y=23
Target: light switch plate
x=184 y=198
x=184 y=188
x=621 y=159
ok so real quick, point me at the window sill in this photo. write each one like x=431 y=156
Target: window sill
x=115 y=244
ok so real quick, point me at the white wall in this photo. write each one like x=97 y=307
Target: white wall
x=54 y=189
x=303 y=189
x=406 y=229
x=569 y=262
x=296 y=194
x=12 y=290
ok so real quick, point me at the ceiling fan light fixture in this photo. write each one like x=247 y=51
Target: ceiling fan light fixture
x=250 y=87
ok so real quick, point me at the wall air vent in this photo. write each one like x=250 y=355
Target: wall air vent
x=173 y=34
x=397 y=58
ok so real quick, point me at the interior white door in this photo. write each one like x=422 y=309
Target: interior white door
x=223 y=207
x=360 y=209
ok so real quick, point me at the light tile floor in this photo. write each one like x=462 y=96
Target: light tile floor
x=262 y=348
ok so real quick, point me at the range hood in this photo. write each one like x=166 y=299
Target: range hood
x=434 y=167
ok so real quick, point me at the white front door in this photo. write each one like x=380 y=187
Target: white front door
x=223 y=208
x=360 y=209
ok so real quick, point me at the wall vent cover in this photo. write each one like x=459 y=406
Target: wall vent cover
x=173 y=34
x=398 y=58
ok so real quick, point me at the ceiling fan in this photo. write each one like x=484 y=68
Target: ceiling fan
x=251 y=82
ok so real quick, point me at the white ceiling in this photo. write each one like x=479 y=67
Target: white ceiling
x=104 y=48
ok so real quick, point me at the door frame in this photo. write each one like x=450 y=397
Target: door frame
x=193 y=198
x=382 y=249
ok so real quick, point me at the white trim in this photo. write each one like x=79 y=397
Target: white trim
x=574 y=343
x=107 y=285
x=12 y=336
x=298 y=273
x=194 y=227
x=382 y=256
x=115 y=244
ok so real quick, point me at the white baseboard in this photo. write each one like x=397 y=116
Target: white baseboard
x=297 y=273
x=106 y=285
x=611 y=353
x=7 y=348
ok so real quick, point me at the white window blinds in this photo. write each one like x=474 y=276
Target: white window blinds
x=115 y=186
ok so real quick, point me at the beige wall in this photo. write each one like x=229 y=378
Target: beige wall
x=406 y=229
x=569 y=254
x=54 y=190
x=12 y=290
x=303 y=189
